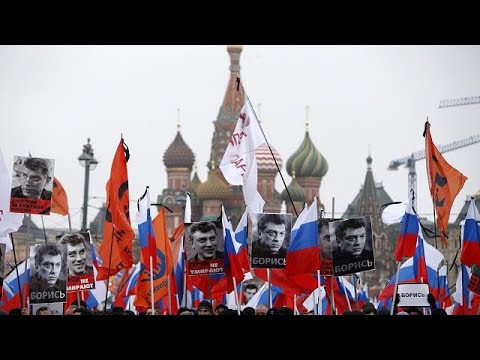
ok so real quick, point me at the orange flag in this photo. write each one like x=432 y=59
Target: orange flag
x=117 y=233
x=162 y=269
x=59 y=198
x=444 y=180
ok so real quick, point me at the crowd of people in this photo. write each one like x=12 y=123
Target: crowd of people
x=205 y=307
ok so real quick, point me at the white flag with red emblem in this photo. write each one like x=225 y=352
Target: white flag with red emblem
x=239 y=164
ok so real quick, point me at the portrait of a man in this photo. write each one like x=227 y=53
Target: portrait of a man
x=31 y=185
x=204 y=247
x=249 y=291
x=79 y=260
x=354 y=246
x=270 y=239
x=327 y=246
x=48 y=274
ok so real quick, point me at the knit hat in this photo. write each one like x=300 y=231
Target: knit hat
x=206 y=305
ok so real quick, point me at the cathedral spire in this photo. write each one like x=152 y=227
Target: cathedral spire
x=234 y=52
x=306 y=118
x=233 y=101
x=178 y=120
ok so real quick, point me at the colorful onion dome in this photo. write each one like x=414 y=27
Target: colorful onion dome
x=213 y=188
x=307 y=161
x=178 y=154
x=265 y=160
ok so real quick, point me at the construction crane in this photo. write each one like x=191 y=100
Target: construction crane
x=409 y=161
x=459 y=101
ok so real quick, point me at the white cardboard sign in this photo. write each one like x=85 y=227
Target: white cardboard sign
x=413 y=294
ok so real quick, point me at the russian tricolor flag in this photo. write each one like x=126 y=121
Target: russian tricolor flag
x=408 y=233
x=145 y=229
x=241 y=236
x=419 y=262
x=11 y=291
x=178 y=253
x=232 y=264
x=128 y=288
x=261 y=296
x=315 y=299
x=462 y=295
x=424 y=264
x=97 y=295
x=471 y=237
x=303 y=252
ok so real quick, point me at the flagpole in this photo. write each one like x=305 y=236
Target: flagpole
x=241 y=292
x=176 y=298
x=269 y=289
x=345 y=292
x=70 y=230
x=318 y=275
x=27 y=251
x=333 y=277
x=271 y=152
x=16 y=269
x=445 y=286
x=209 y=285
x=439 y=294
x=44 y=231
x=236 y=294
x=395 y=288
x=151 y=286
x=184 y=296
x=355 y=288
x=318 y=285
x=108 y=272
x=169 y=294
x=434 y=225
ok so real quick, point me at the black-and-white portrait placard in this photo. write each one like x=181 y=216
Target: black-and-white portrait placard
x=48 y=274
x=271 y=234
x=353 y=251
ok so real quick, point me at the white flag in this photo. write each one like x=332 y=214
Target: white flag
x=9 y=222
x=187 y=218
x=239 y=164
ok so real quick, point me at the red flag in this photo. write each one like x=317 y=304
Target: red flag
x=59 y=198
x=161 y=269
x=444 y=180
x=118 y=233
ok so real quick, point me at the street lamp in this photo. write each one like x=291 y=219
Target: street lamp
x=89 y=163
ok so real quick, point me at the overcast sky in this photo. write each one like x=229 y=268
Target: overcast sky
x=52 y=98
